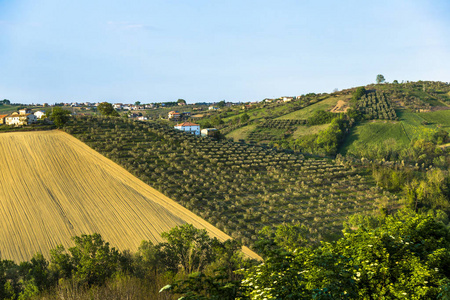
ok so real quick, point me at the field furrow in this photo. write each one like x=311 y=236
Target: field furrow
x=52 y=187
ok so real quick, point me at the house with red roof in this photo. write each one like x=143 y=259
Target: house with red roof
x=188 y=127
x=173 y=115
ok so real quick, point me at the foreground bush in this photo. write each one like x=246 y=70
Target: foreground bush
x=406 y=257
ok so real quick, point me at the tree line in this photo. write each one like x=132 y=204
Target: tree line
x=399 y=256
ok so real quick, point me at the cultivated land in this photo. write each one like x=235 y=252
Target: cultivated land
x=239 y=188
x=421 y=110
x=326 y=104
x=410 y=127
x=53 y=187
x=241 y=133
x=305 y=130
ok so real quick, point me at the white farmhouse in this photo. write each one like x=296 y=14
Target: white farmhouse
x=39 y=114
x=20 y=119
x=188 y=127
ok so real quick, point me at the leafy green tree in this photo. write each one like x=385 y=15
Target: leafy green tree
x=148 y=258
x=38 y=272
x=93 y=260
x=59 y=116
x=107 y=109
x=441 y=137
x=221 y=104
x=406 y=257
x=220 y=282
x=187 y=248
x=329 y=138
x=216 y=121
x=284 y=236
x=181 y=101
x=60 y=264
x=244 y=118
x=361 y=91
x=198 y=286
x=7 y=280
x=380 y=79
x=321 y=117
x=137 y=103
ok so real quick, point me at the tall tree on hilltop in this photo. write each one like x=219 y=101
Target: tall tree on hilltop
x=380 y=79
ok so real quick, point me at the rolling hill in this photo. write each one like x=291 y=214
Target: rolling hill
x=237 y=187
x=421 y=110
x=53 y=187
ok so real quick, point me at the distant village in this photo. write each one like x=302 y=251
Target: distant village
x=26 y=116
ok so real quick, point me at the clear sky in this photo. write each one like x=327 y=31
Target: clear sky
x=208 y=50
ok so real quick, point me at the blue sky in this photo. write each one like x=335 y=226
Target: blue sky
x=152 y=51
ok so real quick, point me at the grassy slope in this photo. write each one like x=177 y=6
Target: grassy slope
x=241 y=133
x=412 y=122
x=52 y=187
x=304 y=113
x=441 y=117
x=370 y=133
x=408 y=128
x=306 y=130
x=7 y=109
x=326 y=103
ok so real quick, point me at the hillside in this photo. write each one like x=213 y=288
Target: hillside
x=239 y=188
x=408 y=111
x=53 y=187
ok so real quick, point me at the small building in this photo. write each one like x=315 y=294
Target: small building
x=213 y=108
x=142 y=118
x=2 y=119
x=39 y=114
x=188 y=127
x=287 y=99
x=117 y=106
x=25 y=111
x=20 y=119
x=212 y=132
x=173 y=115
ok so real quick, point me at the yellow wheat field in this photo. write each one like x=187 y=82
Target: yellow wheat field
x=53 y=187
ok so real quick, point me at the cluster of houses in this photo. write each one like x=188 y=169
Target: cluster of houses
x=281 y=99
x=23 y=117
x=120 y=106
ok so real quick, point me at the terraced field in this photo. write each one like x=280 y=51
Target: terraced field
x=53 y=187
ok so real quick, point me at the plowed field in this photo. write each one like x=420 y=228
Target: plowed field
x=53 y=187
